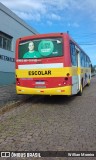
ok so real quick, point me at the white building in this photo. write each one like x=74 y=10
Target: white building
x=11 y=28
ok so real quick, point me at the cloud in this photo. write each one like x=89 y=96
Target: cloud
x=27 y=10
x=49 y=23
x=29 y=16
x=54 y=16
x=25 y=6
x=74 y=24
x=37 y=10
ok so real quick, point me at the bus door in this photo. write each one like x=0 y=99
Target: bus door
x=78 y=67
x=75 y=65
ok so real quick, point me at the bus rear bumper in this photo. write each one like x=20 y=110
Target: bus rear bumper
x=67 y=90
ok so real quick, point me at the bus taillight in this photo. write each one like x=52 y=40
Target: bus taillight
x=17 y=81
x=66 y=78
x=67 y=81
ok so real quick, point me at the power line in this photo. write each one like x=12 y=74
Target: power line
x=87 y=44
x=85 y=34
x=89 y=39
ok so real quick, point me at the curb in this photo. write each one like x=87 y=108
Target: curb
x=8 y=107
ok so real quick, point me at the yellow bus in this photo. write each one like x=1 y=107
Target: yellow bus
x=51 y=64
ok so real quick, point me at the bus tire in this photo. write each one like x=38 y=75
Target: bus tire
x=81 y=90
x=88 y=84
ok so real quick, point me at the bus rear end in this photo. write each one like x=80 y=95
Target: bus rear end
x=41 y=68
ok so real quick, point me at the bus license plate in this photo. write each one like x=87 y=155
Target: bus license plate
x=40 y=82
x=40 y=86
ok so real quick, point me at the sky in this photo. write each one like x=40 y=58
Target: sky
x=78 y=17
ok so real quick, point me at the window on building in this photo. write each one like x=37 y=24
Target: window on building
x=5 y=41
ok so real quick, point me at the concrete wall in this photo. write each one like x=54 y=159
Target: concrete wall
x=7 y=78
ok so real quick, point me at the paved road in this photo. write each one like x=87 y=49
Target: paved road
x=54 y=123
x=8 y=95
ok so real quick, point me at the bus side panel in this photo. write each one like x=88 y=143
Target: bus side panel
x=67 y=56
x=75 y=83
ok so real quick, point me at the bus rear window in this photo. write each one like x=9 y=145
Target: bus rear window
x=40 y=48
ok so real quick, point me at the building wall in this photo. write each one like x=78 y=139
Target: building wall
x=7 y=78
x=15 y=27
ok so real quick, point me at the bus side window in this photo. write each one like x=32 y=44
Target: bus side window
x=73 y=54
x=82 y=59
x=88 y=61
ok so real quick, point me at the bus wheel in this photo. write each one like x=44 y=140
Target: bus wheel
x=81 y=90
x=88 y=84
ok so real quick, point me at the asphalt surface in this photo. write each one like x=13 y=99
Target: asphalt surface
x=56 y=123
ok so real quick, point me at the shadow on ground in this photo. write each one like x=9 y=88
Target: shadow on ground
x=57 y=99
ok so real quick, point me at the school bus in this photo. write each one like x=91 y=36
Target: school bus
x=51 y=64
